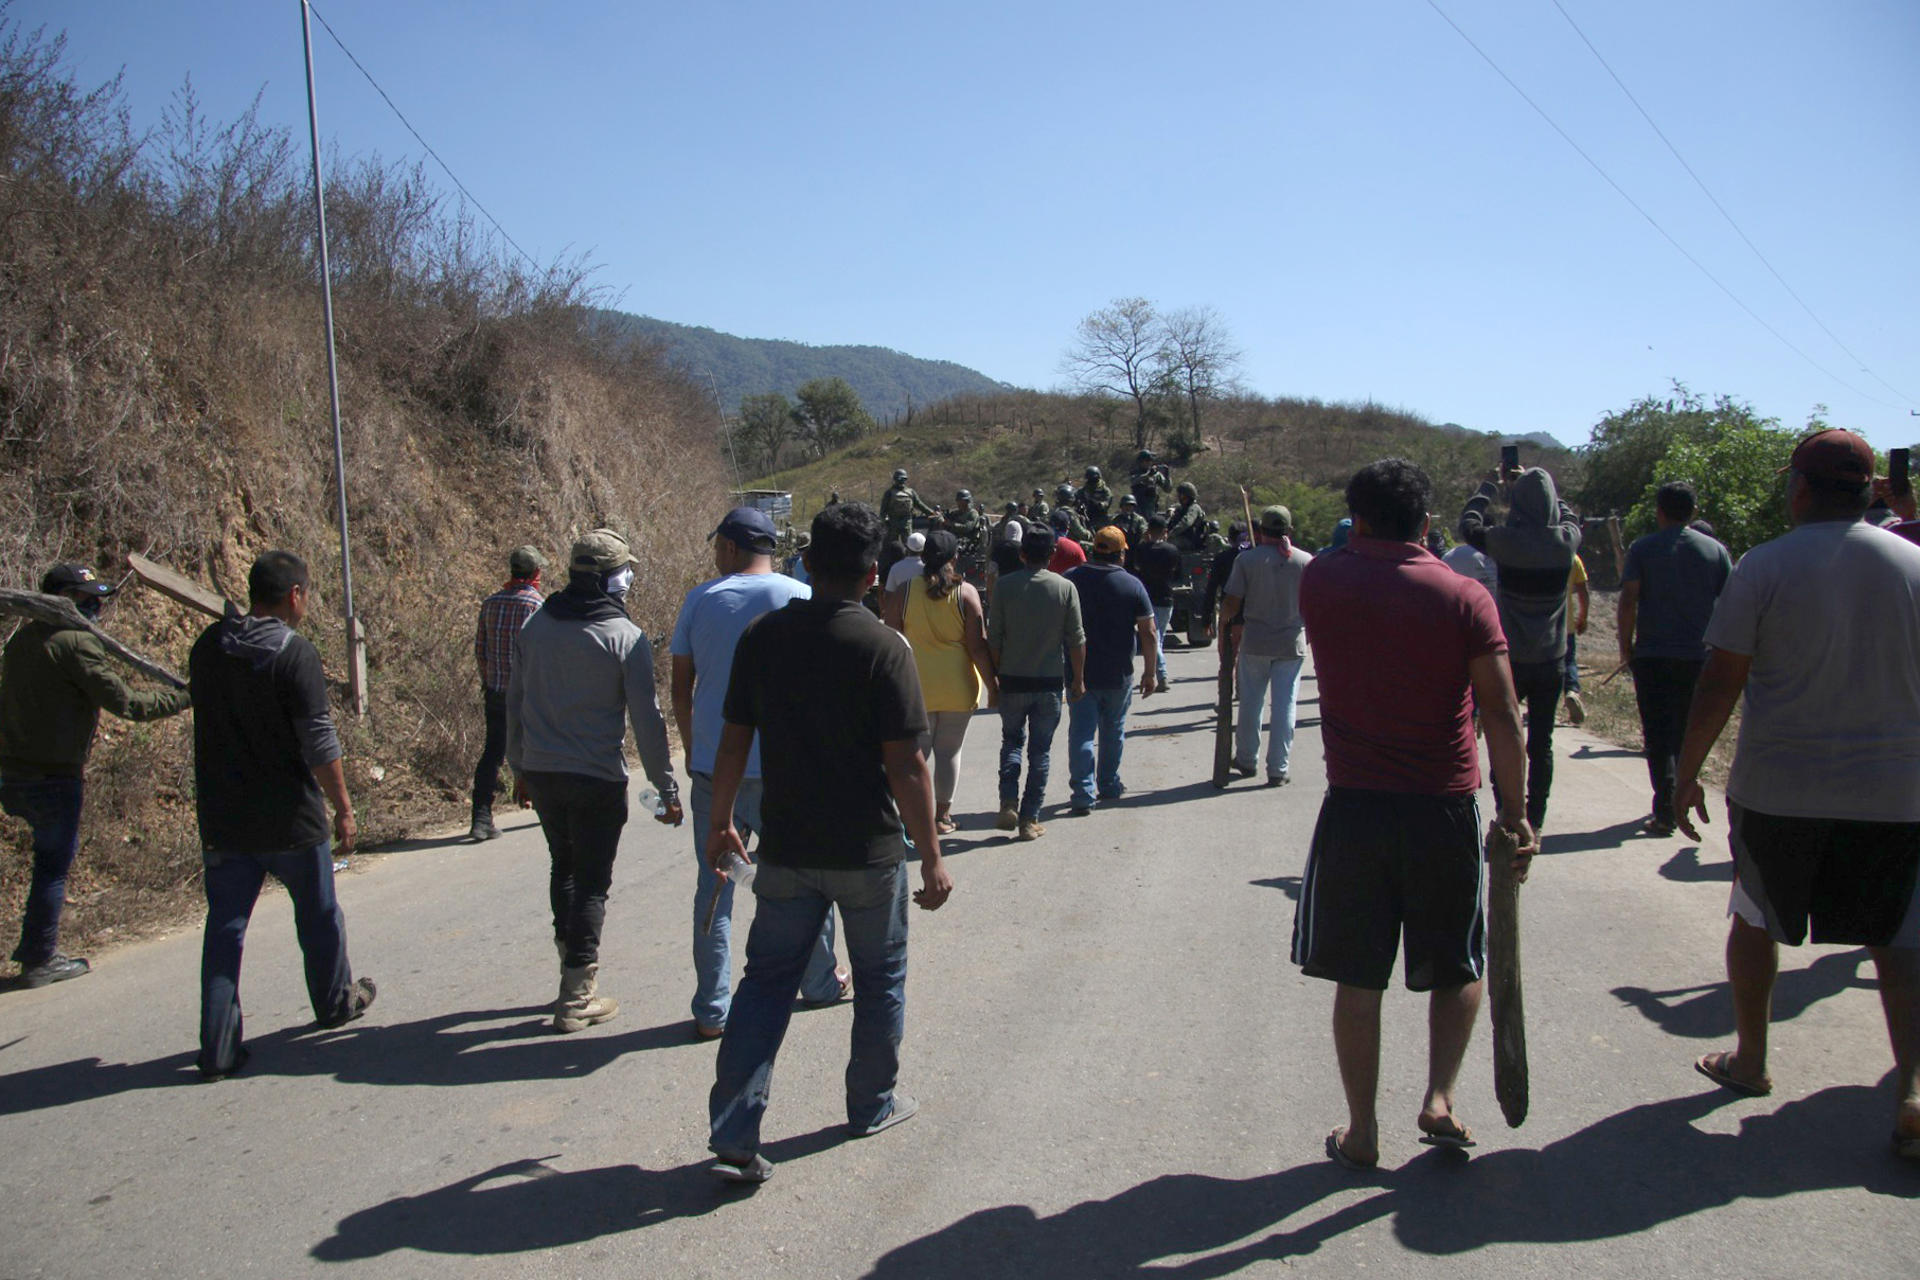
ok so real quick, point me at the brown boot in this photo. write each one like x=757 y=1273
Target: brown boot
x=581 y=1005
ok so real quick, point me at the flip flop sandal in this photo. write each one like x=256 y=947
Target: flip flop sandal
x=1459 y=1141
x=752 y=1173
x=1713 y=1067
x=1341 y=1158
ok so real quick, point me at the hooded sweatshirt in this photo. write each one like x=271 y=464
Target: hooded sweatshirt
x=581 y=671
x=1533 y=552
x=261 y=725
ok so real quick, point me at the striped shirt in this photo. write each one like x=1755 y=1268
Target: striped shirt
x=501 y=617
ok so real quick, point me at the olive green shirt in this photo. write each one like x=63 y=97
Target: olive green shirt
x=53 y=686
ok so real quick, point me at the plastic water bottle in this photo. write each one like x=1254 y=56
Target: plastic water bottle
x=738 y=870
x=650 y=801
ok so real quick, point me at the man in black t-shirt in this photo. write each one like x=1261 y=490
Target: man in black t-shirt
x=1157 y=564
x=266 y=765
x=835 y=698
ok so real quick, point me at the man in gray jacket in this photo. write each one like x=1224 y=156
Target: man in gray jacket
x=581 y=671
x=1533 y=552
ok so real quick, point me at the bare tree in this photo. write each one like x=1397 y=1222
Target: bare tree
x=1199 y=355
x=1115 y=351
x=766 y=424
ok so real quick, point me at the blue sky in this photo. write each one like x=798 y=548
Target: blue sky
x=1370 y=208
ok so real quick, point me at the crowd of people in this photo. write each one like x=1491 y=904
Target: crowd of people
x=831 y=735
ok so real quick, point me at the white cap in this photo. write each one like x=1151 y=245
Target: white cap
x=916 y=542
x=1011 y=531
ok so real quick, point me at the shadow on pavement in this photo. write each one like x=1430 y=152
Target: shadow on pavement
x=526 y=1205
x=1587 y=751
x=1612 y=837
x=449 y=1050
x=1685 y=867
x=1624 y=1175
x=1289 y=885
x=1166 y=795
x=1705 y=1012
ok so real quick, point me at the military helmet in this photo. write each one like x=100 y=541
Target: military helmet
x=1213 y=526
x=1128 y=500
x=1064 y=491
x=1093 y=473
x=900 y=476
x=1186 y=489
x=1039 y=493
x=1013 y=508
x=1145 y=455
x=964 y=495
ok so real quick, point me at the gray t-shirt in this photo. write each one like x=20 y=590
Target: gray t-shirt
x=1681 y=573
x=1830 y=615
x=1268 y=585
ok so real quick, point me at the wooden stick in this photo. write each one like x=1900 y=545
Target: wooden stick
x=59 y=612
x=1509 y=1015
x=176 y=587
x=1611 y=674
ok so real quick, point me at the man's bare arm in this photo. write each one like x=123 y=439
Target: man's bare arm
x=1722 y=682
x=332 y=777
x=682 y=682
x=1506 y=749
x=912 y=785
x=1627 y=616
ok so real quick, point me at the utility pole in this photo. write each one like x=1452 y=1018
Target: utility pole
x=356 y=638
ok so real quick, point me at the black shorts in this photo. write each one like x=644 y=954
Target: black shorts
x=1385 y=863
x=1857 y=882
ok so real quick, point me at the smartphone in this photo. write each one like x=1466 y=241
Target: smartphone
x=1899 y=479
x=1509 y=457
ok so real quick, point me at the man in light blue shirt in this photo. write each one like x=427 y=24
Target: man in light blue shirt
x=712 y=619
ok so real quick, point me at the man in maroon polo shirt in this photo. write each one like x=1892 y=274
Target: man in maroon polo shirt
x=1403 y=647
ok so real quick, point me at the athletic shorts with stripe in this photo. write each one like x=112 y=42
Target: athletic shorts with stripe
x=1857 y=883
x=1388 y=863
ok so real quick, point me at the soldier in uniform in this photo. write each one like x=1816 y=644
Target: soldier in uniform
x=899 y=505
x=1148 y=480
x=1187 y=526
x=966 y=521
x=1131 y=522
x=1096 y=499
x=1038 y=510
x=1215 y=542
x=1074 y=526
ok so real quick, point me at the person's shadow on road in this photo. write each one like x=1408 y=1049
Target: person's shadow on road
x=527 y=1205
x=1626 y=1174
x=1705 y=1012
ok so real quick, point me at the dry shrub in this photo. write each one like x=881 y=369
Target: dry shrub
x=163 y=389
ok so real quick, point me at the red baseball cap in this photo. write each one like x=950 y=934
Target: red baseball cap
x=1833 y=455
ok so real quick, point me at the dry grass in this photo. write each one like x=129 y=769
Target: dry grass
x=163 y=390
x=1611 y=711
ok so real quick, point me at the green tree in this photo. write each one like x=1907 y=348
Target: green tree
x=828 y=414
x=1736 y=480
x=1628 y=445
x=766 y=424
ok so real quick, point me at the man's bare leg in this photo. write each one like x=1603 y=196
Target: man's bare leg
x=1899 y=969
x=1356 y=1043
x=1753 y=962
x=1451 y=1012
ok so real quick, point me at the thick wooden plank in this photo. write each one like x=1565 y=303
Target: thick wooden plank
x=1510 y=1084
x=1223 y=713
x=176 y=586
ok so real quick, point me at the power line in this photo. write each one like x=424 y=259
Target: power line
x=448 y=169
x=1701 y=183
x=1651 y=221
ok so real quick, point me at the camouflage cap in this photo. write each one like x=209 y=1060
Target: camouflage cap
x=525 y=561
x=602 y=551
x=1276 y=521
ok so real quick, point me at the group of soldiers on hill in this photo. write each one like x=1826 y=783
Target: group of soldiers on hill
x=1090 y=507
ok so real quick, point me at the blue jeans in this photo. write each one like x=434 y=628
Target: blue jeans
x=713 y=950
x=1162 y=615
x=1258 y=676
x=233 y=883
x=1101 y=714
x=792 y=904
x=1027 y=722
x=1573 y=666
x=51 y=807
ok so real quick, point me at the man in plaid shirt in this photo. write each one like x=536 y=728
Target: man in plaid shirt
x=501 y=617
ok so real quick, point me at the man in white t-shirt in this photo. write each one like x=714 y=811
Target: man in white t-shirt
x=1260 y=612
x=710 y=624
x=1820 y=628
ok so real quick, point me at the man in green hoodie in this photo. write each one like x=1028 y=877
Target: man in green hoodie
x=54 y=682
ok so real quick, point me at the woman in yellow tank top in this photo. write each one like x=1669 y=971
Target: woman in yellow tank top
x=939 y=612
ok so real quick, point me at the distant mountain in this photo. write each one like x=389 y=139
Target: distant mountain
x=1541 y=438
x=887 y=381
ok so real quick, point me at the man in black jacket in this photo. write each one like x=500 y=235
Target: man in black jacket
x=266 y=765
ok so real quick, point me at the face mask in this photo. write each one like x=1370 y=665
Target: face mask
x=89 y=606
x=619 y=580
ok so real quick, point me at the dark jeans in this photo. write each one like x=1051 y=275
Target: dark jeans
x=1664 y=689
x=486 y=774
x=1027 y=724
x=51 y=806
x=791 y=905
x=1573 y=665
x=1537 y=685
x=233 y=886
x=582 y=818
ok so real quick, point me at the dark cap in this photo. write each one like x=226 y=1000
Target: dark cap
x=65 y=578
x=1037 y=541
x=1833 y=456
x=1276 y=521
x=524 y=562
x=748 y=527
x=939 y=549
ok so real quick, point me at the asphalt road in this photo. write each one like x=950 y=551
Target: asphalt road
x=1120 y=1072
